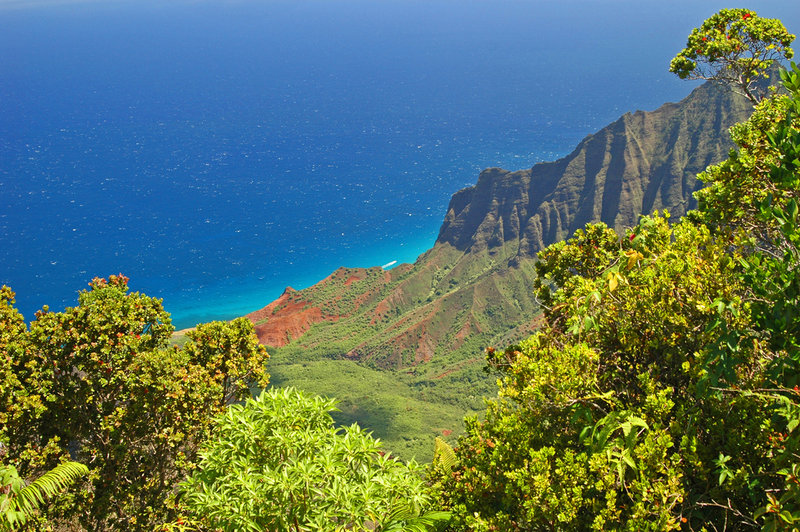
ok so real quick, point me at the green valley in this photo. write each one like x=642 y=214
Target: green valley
x=403 y=349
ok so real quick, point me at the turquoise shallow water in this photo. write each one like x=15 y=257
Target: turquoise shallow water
x=218 y=152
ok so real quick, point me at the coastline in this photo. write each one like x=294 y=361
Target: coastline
x=237 y=297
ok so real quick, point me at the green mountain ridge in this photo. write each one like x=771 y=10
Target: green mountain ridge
x=426 y=325
x=644 y=161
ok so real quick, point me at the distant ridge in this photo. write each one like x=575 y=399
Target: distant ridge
x=473 y=288
x=642 y=162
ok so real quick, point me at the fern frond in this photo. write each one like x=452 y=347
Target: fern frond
x=34 y=494
x=443 y=455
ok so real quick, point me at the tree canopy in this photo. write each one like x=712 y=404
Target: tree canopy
x=734 y=46
x=100 y=384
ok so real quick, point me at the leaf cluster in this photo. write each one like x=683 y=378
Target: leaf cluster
x=100 y=384
x=734 y=46
x=277 y=462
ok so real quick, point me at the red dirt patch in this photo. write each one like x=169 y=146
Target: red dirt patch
x=285 y=320
x=353 y=278
x=425 y=349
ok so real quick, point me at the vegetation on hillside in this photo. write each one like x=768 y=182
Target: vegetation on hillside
x=662 y=391
x=406 y=410
x=370 y=358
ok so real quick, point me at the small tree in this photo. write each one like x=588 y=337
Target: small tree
x=112 y=393
x=278 y=463
x=734 y=46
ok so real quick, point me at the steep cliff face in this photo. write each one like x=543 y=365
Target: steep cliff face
x=643 y=162
x=473 y=289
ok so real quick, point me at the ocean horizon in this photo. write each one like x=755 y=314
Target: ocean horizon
x=218 y=152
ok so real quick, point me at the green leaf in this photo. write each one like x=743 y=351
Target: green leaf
x=27 y=499
x=628 y=459
x=791 y=209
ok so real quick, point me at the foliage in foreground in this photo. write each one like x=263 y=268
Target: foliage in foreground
x=98 y=383
x=278 y=463
x=19 y=501
x=662 y=393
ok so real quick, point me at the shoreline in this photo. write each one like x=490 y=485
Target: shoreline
x=237 y=298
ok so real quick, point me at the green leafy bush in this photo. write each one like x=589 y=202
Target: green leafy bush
x=278 y=463
x=98 y=383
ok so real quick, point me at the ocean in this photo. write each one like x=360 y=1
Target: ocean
x=218 y=151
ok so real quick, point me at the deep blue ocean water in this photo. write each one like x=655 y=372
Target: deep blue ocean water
x=216 y=152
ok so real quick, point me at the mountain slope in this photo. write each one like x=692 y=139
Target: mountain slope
x=427 y=324
x=474 y=283
x=642 y=162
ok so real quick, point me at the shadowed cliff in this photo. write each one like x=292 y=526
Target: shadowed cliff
x=643 y=162
x=473 y=288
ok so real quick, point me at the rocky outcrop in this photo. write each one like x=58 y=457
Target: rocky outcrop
x=643 y=162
